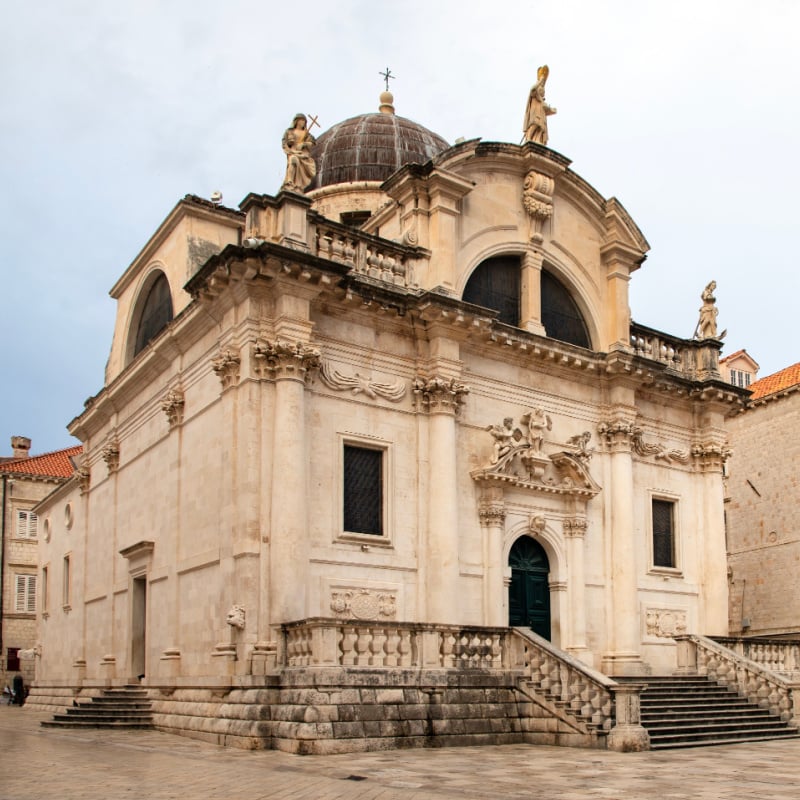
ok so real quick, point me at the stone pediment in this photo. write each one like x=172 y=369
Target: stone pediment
x=558 y=473
x=518 y=458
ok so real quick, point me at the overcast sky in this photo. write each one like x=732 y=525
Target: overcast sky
x=687 y=112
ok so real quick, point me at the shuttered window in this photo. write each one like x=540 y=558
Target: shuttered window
x=25 y=587
x=363 y=490
x=27 y=524
x=663 y=533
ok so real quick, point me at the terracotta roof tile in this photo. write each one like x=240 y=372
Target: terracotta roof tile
x=779 y=382
x=49 y=465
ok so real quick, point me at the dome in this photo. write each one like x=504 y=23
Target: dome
x=371 y=147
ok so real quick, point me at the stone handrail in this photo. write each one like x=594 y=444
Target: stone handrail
x=703 y=656
x=567 y=682
x=654 y=345
x=366 y=255
x=776 y=655
x=353 y=643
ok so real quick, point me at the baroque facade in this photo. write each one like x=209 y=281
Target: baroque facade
x=373 y=421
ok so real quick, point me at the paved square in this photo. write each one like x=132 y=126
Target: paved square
x=38 y=763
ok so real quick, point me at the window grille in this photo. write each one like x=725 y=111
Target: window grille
x=663 y=533
x=363 y=490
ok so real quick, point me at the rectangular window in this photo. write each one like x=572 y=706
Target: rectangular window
x=65 y=588
x=363 y=490
x=12 y=659
x=45 y=573
x=27 y=524
x=25 y=587
x=663 y=533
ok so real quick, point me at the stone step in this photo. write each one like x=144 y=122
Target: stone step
x=88 y=724
x=684 y=739
x=656 y=745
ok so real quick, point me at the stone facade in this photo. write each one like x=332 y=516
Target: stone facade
x=24 y=481
x=225 y=461
x=763 y=510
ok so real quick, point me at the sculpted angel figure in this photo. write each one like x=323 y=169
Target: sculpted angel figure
x=300 y=165
x=538 y=421
x=537 y=111
x=707 y=324
x=503 y=438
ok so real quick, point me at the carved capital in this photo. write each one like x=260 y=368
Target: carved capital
x=281 y=359
x=83 y=474
x=711 y=456
x=492 y=514
x=439 y=394
x=172 y=406
x=110 y=454
x=616 y=434
x=226 y=365
x=575 y=527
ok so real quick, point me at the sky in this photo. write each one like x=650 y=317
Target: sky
x=686 y=112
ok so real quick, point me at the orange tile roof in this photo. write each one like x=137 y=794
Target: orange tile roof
x=779 y=382
x=48 y=465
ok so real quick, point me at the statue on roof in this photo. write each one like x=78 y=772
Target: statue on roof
x=707 y=324
x=300 y=165
x=537 y=112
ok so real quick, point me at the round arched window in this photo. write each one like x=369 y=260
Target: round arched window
x=561 y=316
x=156 y=313
x=495 y=284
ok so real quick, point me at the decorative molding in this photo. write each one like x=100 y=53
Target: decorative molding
x=358 y=384
x=664 y=623
x=226 y=365
x=110 y=453
x=439 y=394
x=280 y=359
x=621 y=434
x=359 y=603
x=172 y=405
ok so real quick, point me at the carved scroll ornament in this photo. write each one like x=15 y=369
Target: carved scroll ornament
x=358 y=384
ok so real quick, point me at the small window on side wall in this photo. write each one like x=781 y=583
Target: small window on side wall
x=664 y=534
x=363 y=490
x=156 y=313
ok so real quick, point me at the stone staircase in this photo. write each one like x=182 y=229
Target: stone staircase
x=694 y=711
x=125 y=707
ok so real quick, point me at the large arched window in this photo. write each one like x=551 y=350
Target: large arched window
x=495 y=284
x=156 y=313
x=561 y=316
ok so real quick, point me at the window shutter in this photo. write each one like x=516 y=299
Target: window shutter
x=31 y=607
x=25 y=587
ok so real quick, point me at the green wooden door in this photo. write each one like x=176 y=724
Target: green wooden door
x=529 y=594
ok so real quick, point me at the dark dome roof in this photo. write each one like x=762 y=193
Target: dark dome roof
x=371 y=147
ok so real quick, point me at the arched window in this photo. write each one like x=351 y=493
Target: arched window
x=156 y=313
x=561 y=316
x=495 y=285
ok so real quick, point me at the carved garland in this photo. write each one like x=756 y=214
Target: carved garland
x=358 y=384
x=363 y=604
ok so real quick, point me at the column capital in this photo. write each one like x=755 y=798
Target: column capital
x=711 y=456
x=575 y=527
x=617 y=434
x=282 y=360
x=439 y=395
x=492 y=513
x=227 y=366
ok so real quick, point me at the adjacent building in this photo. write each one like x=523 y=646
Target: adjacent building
x=24 y=481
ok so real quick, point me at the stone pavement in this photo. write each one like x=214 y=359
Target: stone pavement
x=106 y=765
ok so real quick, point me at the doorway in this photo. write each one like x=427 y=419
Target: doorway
x=529 y=593
x=138 y=626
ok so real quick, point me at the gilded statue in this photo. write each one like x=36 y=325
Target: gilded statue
x=537 y=112
x=300 y=165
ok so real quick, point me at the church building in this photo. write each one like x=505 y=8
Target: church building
x=382 y=460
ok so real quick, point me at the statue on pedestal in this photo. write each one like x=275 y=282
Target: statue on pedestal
x=537 y=111
x=300 y=165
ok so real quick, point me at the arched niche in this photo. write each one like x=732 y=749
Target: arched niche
x=152 y=312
